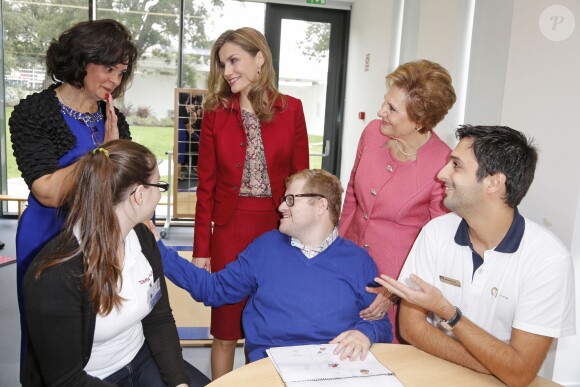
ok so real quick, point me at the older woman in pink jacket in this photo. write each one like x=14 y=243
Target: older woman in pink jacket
x=393 y=190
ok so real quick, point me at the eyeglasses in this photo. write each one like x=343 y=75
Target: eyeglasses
x=95 y=134
x=289 y=199
x=163 y=186
x=90 y=120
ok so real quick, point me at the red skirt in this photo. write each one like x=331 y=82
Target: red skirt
x=251 y=218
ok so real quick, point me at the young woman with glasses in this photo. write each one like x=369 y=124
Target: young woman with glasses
x=95 y=296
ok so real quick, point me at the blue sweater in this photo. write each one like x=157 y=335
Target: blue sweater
x=293 y=300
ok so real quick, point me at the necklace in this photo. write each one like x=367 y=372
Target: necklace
x=399 y=147
x=69 y=105
x=89 y=119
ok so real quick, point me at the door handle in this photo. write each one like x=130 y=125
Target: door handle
x=326 y=151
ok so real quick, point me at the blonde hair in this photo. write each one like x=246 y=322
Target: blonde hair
x=321 y=182
x=263 y=92
x=428 y=88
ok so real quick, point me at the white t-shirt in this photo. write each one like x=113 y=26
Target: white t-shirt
x=530 y=288
x=119 y=335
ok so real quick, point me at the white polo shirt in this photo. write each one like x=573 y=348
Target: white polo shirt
x=526 y=282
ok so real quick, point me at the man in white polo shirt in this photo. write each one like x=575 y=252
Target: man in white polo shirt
x=485 y=287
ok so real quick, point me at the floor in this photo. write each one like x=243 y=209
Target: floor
x=9 y=323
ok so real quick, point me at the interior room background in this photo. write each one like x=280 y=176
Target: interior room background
x=513 y=62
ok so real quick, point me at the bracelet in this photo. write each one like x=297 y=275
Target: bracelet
x=392 y=297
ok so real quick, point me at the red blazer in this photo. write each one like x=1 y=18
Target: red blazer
x=222 y=153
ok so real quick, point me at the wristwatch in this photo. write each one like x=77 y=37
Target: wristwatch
x=448 y=325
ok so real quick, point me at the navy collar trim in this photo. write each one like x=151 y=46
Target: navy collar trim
x=509 y=244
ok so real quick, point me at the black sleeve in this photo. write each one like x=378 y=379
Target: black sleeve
x=123 y=126
x=54 y=306
x=39 y=135
x=159 y=326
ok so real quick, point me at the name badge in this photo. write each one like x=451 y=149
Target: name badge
x=450 y=281
x=154 y=293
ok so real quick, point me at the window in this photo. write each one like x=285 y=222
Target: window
x=29 y=26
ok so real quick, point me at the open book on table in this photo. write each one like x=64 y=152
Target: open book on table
x=316 y=366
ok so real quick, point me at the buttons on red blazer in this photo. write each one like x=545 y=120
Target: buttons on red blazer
x=242 y=144
x=238 y=165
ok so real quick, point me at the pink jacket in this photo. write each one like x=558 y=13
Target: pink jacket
x=387 y=201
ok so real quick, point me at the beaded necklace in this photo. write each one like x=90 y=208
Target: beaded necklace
x=399 y=147
x=89 y=119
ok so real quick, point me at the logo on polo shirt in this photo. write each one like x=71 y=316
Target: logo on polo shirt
x=494 y=293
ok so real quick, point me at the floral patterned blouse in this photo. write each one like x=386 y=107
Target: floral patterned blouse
x=255 y=179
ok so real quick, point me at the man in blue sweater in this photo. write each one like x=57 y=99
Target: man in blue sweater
x=306 y=285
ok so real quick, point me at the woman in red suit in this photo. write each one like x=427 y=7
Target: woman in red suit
x=252 y=138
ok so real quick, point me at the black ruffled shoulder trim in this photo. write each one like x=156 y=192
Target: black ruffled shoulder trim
x=40 y=135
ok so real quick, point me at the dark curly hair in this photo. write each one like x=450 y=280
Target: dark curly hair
x=428 y=88
x=102 y=42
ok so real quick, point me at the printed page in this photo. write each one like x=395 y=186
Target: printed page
x=371 y=381
x=317 y=362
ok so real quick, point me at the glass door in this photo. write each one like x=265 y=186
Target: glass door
x=309 y=46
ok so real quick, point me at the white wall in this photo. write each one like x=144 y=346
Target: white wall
x=541 y=99
x=566 y=370
x=514 y=76
x=430 y=30
x=156 y=92
x=370 y=31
